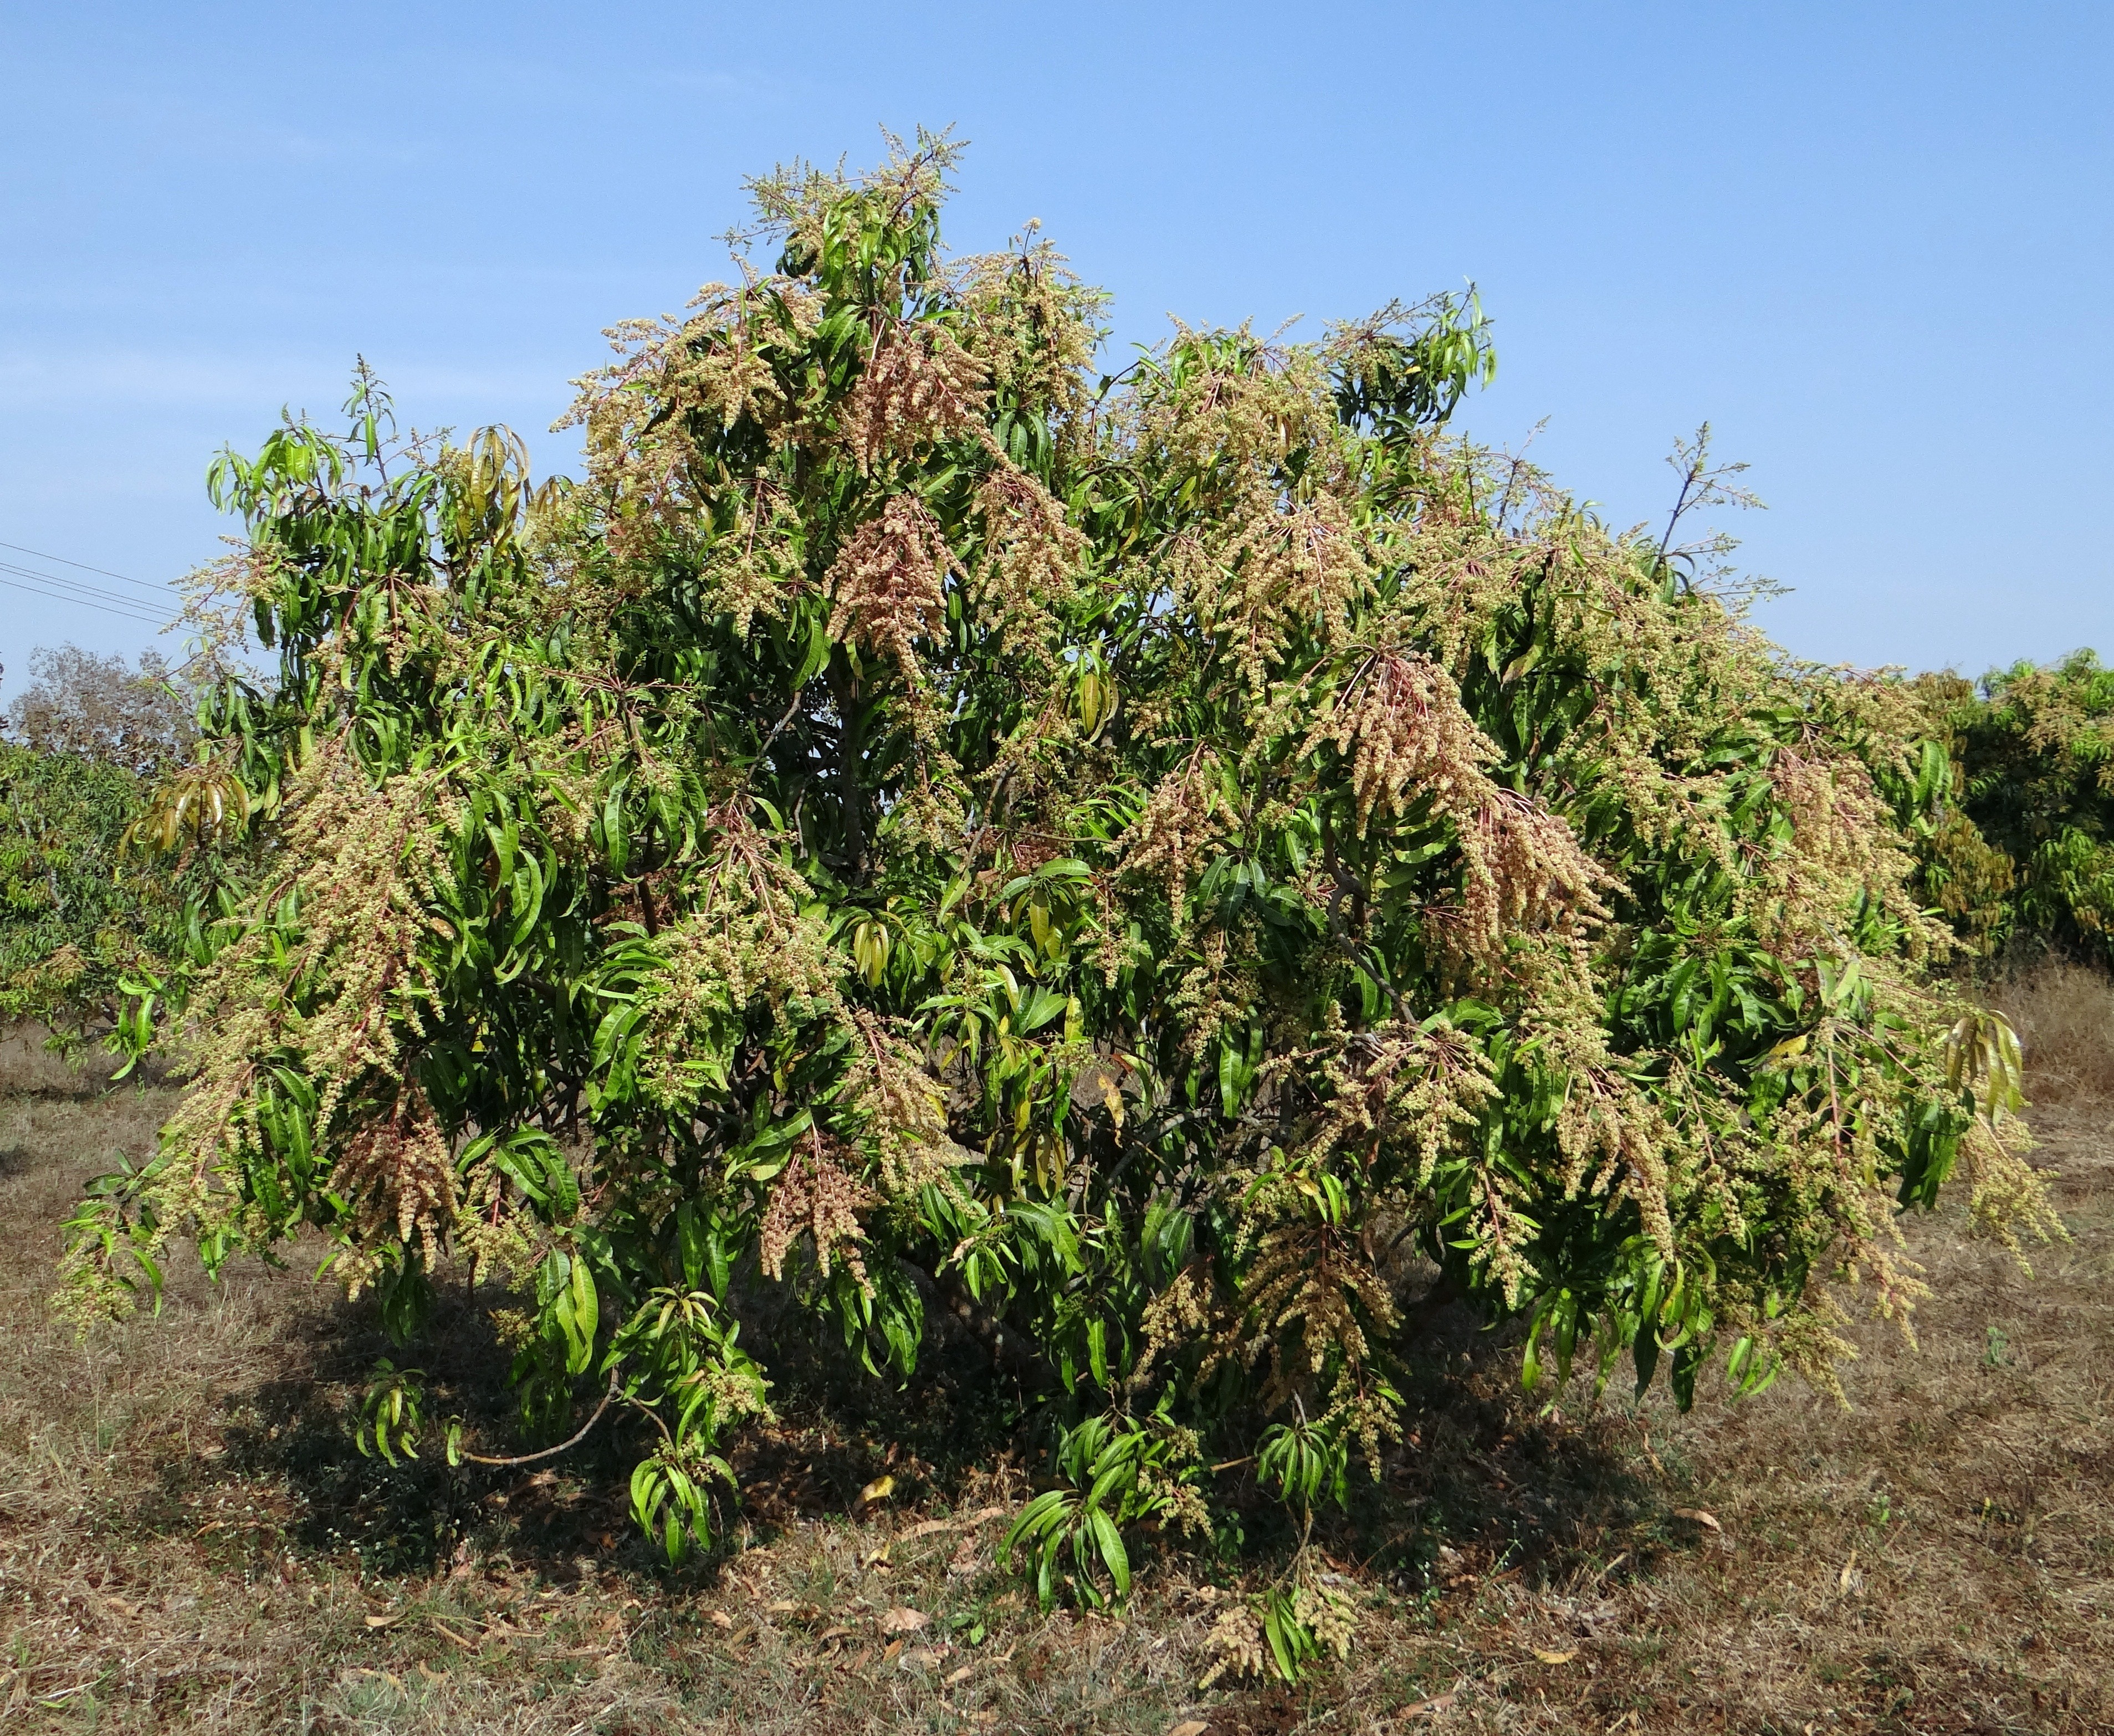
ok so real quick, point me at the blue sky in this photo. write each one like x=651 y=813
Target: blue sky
x=1869 y=242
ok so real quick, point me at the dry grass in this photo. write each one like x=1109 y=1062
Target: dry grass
x=2064 y=1013
x=187 y=1540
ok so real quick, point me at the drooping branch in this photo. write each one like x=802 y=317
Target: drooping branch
x=584 y=1430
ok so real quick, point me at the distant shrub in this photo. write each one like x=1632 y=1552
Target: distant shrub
x=2034 y=750
x=88 y=742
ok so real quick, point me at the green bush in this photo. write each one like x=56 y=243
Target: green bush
x=92 y=758
x=1181 y=867
x=2034 y=750
x=71 y=928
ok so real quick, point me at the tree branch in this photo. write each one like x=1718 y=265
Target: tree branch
x=529 y=1458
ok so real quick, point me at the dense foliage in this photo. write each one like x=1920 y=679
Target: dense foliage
x=69 y=928
x=1183 y=869
x=2030 y=861
x=90 y=741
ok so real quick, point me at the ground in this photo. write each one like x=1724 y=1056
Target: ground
x=189 y=1541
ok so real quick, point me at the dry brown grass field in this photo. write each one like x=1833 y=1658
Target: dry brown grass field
x=189 y=1541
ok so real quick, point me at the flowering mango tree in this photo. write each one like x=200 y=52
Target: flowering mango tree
x=1183 y=869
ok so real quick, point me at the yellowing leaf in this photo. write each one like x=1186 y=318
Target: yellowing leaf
x=879 y=1490
x=1555 y=1657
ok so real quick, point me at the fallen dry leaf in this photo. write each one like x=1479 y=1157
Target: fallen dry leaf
x=1190 y=1727
x=929 y=1527
x=720 y=1620
x=1555 y=1657
x=901 y=1620
x=836 y=1630
x=1708 y=1521
x=445 y=1631
x=879 y=1490
x=781 y=1607
x=962 y=1675
x=384 y=1621
x=1428 y=1708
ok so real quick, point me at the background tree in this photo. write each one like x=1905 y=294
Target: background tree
x=92 y=745
x=103 y=709
x=2032 y=750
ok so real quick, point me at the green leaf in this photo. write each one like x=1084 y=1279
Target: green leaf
x=1275 y=1622
x=1114 y=1555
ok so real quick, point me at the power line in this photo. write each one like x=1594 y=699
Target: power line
x=72 y=584
x=83 y=603
x=59 y=588
x=103 y=608
x=93 y=592
x=84 y=566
